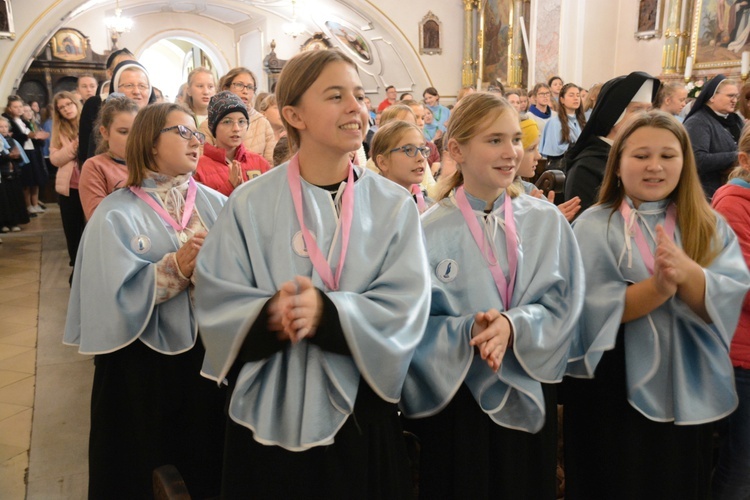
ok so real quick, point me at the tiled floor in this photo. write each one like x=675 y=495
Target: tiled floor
x=44 y=386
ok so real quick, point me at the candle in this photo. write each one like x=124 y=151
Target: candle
x=745 y=63
x=688 y=67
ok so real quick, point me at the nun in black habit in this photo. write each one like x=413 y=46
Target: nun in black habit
x=714 y=129
x=586 y=160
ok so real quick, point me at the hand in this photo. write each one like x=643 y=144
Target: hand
x=438 y=135
x=15 y=153
x=296 y=312
x=188 y=252
x=670 y=260
x=235 y=173
x=491 y=333
x=570 y=208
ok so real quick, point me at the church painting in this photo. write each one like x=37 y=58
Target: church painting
x=496 y=31
x=721 y=32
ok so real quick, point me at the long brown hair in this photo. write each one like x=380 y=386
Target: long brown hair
x=562 y=113
x=62 y=127
x=695 y=218
x=298 y=75
x=467 y=120
x=112 y=107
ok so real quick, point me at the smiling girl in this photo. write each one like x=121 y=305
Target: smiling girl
x=665 y=280
x=563 y=129
x=313 y=296
x=507 y=289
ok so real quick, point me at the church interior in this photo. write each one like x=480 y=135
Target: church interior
x=446 y=44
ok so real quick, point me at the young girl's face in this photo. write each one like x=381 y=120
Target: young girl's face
x=332 y=113
x=4 y=128
x=556 y=86
x=676 y=102
x=401 y=168
x=174 y=154
x=428 y=116
x=15 y=109
x=531 y=157
x=201 y=89
x=231 y=130
x=524 y=103
x=240 y=86
x=571 y=100
x=490 y=159
x=650 y=165
x=67 y=108
x=117 y=133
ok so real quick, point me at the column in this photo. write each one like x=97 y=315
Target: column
x=468 y=77
x=672 y=37
x=683 y=42
x=515 y=48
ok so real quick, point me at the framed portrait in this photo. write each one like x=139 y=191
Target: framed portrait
x=721 y=32
x=649 y=19
x=349 y=38
x=316 y=42
x=496 y=40
x=69 y=45
x=430 y=35
x=7 y=30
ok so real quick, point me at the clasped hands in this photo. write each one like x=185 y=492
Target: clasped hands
x=295 y=311
x=671 y=264
x=490 y=334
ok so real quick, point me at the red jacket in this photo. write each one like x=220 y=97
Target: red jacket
x=733 y=202
x=213 y=170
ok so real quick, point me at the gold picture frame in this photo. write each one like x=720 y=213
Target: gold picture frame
x=430 y=35
x=717 y=41
x=69 y=45
x=650 y=19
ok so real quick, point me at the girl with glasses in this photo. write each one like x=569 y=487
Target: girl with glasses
x=313 y=293
x=507 y=290
x=259 y=136
x=131 y=307
x=400 y=153
x=64 y=155
x=228 y=164
x=541 y=110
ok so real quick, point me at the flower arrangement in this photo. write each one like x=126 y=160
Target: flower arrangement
x=694 y=88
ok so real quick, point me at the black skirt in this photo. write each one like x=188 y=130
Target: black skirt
x=34 y=173
x=147 y=410
x=612 y=451
x=464 y=454
x=368 y=459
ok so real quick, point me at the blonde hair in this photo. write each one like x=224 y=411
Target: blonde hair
x=393 y=112
x=62 y=127
x=468 y=120
x=188 y=98
x=298 y=75
x=739 y=172
x=388 y=136
x=695 y=218
x=147 y=127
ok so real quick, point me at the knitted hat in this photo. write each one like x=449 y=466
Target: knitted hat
x=529 y=132
x=221 y=105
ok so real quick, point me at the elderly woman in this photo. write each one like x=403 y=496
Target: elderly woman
x=714 y=130
x=259 y=137
x=131 y=307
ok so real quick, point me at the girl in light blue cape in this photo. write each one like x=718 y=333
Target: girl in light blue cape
x=665 y=280
x=312 y=296
x=507 y=290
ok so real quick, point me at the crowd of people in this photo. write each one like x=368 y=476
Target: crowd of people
x=276 y=287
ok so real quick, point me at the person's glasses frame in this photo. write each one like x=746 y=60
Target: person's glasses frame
x=241 y=86
x=186 y=133
x=410 y=150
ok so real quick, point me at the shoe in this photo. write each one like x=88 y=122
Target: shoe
x=40 y=209
x=15 y=229
x=41 y=205
x=4 y=229
x=31 y=209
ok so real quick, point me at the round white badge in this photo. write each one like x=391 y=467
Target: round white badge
x=447 y=270
x=298 y=244
x=140 y=244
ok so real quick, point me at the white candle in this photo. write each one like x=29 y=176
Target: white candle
x=745 y=67
x=688 y=67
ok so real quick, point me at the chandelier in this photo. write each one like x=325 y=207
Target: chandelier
x=293 y=28
x=117 y=24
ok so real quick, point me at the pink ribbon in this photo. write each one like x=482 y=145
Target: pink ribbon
x=186 y=213
x=640 y=240
x=416 y=190
x=511 y=243
x=319 y=262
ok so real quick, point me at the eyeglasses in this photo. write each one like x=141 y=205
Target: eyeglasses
x=186 y=133
x=228 y=122
x=543 y=94
x=410 y=150
x=65 y=106
x=130 y=86
x=732 y=97
x=239 y=86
